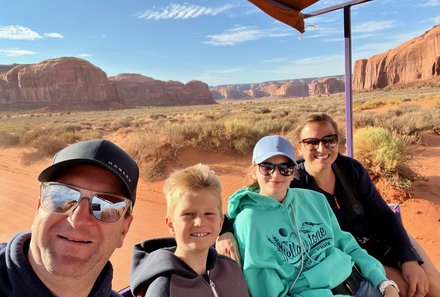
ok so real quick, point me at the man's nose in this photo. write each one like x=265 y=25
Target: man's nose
x=81 y=213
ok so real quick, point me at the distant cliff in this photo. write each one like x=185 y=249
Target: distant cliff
x=412 y=61
x=75 y=84
x=136 y=89
x=280 y=89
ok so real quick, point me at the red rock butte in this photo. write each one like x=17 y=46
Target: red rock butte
x=73 y=82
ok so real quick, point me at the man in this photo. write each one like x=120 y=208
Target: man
x=83 y=215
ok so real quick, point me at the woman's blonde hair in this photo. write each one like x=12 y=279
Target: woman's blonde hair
x=190 y=180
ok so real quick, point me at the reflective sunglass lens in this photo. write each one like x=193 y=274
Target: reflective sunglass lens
x=59 y=198
x=330 y=141
x=267 y=169
x=105 y=210
x=286 y=170
x=312 y=144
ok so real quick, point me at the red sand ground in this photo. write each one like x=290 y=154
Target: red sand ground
x=19 y=193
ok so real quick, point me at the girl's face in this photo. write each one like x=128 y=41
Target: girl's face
x=320 y=157
x=274 y=185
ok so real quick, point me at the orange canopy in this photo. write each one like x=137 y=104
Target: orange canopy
x=286 y=11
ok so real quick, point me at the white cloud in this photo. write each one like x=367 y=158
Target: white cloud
x=16 y=52
x=374 y=26
x=53 y=35
x=240 y=34
x=85 y=55
x=17 y=32
x=235 y=36
x=430 y=3
x=183 y=11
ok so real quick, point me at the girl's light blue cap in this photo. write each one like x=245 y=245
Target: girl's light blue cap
x=273 y=145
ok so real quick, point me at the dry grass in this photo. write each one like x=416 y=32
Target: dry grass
x=156 y=134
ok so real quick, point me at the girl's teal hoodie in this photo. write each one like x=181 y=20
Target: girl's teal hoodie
x=298 y=239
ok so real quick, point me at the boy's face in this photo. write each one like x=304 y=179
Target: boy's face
x=196 y=221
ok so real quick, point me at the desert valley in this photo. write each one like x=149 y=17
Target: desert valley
x=167 y=125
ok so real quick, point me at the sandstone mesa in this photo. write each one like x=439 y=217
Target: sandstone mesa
x=74 y=83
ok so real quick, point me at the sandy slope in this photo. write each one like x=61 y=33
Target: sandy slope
x=19 y=191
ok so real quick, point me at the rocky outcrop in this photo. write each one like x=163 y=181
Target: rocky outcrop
x=136 y=89
x=6 y=68
x=61 y=81
x=412 y=61
x=326 y=86
x=293 y=89
x=75 y=83
x=279 y=89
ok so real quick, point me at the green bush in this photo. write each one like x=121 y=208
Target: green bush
x=384 y=154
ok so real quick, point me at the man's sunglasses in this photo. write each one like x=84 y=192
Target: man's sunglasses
x=62 y=198
x=285 y=169
x=312 y=144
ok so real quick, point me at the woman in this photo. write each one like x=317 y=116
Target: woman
x=358 y=206
x=289 y=239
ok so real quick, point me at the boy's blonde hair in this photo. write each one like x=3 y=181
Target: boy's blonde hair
x=190 y=180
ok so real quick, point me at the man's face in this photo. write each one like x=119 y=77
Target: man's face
x=77 y=244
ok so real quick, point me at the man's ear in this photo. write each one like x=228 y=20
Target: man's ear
x=124 y=229
x=170 y=225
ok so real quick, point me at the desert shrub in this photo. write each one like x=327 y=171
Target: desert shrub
x=72 y=128
x=186 y=131
x=31 y=157
x=90 y=134
x=48 y=144
x=369 y=104
x=67 y=136
x=29 y=136
x=383 y=154
x=241 y=134
x=117 y=124
x=8 y=139
x=150 y=152
x=409 y=123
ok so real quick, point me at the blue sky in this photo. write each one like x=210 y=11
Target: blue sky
x=218 y=42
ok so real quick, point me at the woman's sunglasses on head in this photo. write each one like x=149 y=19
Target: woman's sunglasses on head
x=61 y=198
x=285 y=169
x=312 y=144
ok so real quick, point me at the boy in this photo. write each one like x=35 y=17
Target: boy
x=160 y=268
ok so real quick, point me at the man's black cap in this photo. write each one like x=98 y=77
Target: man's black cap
x=99 y=152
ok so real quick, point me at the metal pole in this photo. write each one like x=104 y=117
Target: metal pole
x=348 y=82
x=348 y=79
